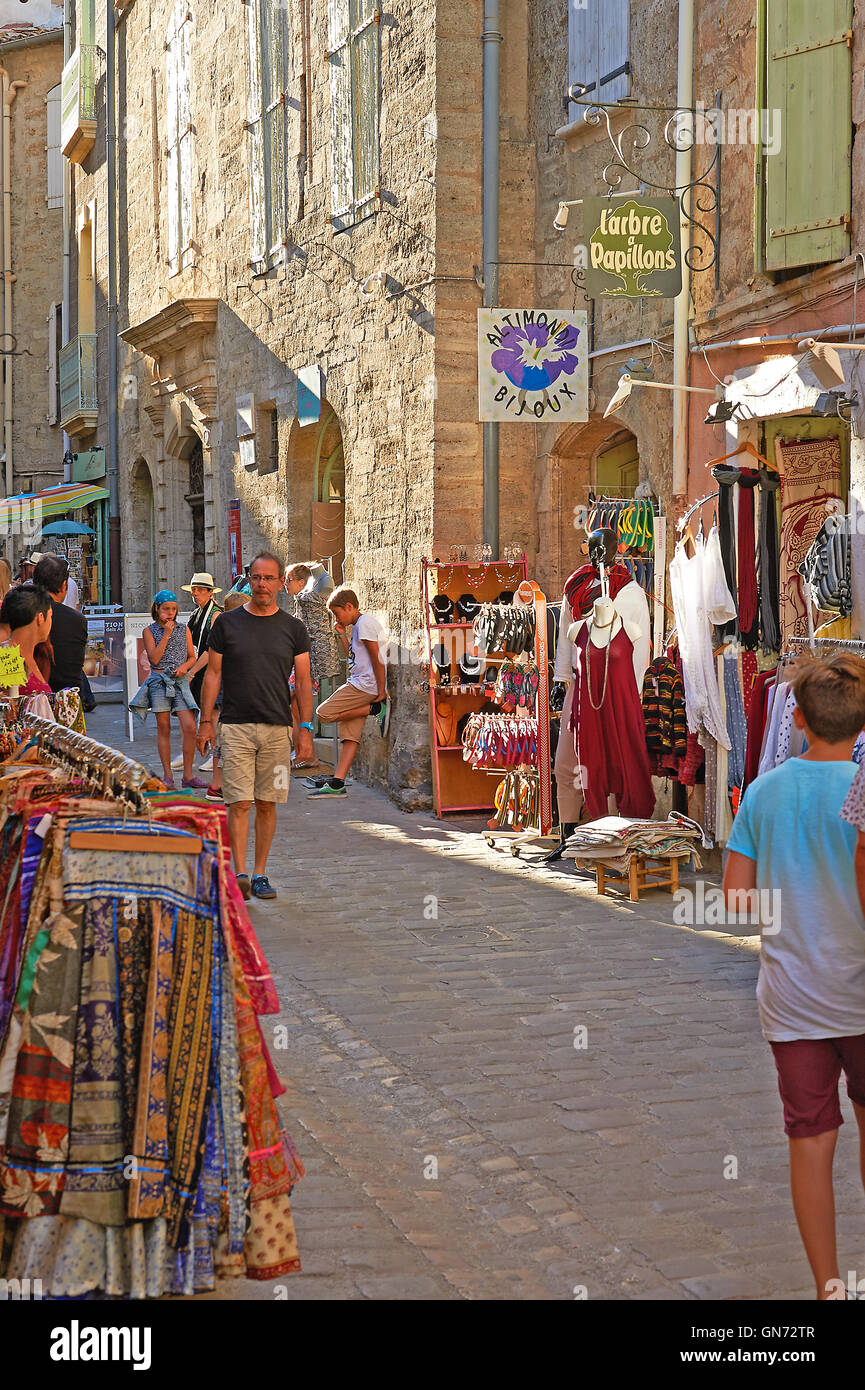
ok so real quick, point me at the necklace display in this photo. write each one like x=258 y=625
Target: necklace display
x=606 y=663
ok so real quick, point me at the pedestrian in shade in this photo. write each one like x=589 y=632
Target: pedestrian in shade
x=166 y=691
x=68 y=628
x=206 y=609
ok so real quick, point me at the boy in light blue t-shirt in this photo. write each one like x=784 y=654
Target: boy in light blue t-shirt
x=790 y=843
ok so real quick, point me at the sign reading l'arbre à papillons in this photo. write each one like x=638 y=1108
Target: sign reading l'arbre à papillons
x=634 y=247
x=533 y=365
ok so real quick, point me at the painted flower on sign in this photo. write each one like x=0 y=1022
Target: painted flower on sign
x=535 y=355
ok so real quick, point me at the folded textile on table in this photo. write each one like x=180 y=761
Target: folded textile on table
x=617 y=840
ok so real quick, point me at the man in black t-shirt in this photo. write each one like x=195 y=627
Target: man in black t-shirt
x=68 y=627
x=252 y=652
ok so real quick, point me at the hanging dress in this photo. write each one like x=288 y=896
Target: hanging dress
x=610 y=742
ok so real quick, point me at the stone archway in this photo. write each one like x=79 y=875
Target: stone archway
x=316 y=492
x=572 y=474
x=140 y=540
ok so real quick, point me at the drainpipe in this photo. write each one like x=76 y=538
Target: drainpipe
x=492 y=37
x=10 y=91
x=113 y=432
x=684 y=168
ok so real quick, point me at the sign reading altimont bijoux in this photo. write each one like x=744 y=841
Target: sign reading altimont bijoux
x=533 y=364
x=634 y=247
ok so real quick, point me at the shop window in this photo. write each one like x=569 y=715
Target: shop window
x=599 y=50
x=267 y=57
x=805 y=186
x=195 y=500
x=355 y=94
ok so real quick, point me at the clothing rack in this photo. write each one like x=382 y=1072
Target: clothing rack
x=845 y=644
x=683 y=520
x=103 y=766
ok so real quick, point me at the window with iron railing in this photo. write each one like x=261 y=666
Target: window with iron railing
x=180 y=136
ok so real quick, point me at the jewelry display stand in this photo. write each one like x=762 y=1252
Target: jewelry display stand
x=536 y=837
x=457 y=786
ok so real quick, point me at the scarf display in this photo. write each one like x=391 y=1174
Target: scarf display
x=584 y=586
x=137 y=1111
x=746 y=563
x=810 y=491
x=768 y=566
x=726 y=476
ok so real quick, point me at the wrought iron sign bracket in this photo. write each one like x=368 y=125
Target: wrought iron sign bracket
x=700 y=196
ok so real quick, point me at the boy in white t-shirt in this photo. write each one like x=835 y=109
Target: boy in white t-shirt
x=365 y=691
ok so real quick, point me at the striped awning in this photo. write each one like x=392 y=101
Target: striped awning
x=53 y=501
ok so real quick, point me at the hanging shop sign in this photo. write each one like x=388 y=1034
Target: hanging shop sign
x=310 y=389
x=634 y=247
x=234 y=547
x=533 y=364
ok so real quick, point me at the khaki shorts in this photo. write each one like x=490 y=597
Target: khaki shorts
x=256 y=762
x=346 y=697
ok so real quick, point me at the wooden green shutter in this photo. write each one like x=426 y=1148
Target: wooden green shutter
x=809 y=81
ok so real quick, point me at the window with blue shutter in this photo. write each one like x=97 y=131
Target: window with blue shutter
x=599 y=50
x=355 y=96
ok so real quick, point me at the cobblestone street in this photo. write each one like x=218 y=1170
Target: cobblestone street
x=414 y=1045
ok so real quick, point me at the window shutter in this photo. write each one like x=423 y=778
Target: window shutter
x=365 y=103
x=185 y=137
x=54 y=314
x=255 y=131
x=614 y=50
x=172 y=139
x=583 y=49
x=808 y=182
x=341 y=156
x=275 y=134
x=55 y=157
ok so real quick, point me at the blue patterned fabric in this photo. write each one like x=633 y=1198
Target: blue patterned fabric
x=737 y=724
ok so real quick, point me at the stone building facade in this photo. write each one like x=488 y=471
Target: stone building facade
x=31 y=290
x=299 y=227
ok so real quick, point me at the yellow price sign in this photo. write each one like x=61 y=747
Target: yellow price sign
x=12 y=668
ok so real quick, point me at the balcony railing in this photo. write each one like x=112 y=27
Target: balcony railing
x=79 y=403
x=78 y=104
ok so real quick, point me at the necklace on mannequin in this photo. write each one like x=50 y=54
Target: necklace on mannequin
x=589 y=669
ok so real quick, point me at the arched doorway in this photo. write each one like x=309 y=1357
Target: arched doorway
x=316 y=492
x=140 y=540
x=195 y=501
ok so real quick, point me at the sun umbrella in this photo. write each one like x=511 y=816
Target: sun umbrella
x=67 y=528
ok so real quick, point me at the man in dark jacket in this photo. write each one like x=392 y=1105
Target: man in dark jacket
x=68 y=627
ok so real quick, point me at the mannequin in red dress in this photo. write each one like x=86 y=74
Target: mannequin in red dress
x=607 y=719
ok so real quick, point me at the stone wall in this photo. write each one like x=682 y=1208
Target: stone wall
x=376 y=354
x=37 y=264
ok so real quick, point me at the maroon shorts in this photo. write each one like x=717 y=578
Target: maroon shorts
x=808 y=1073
